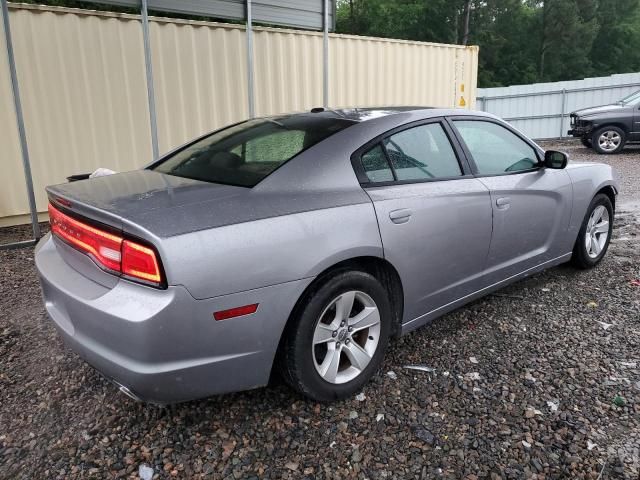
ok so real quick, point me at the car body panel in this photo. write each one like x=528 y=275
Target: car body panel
x=162 y=344
x=592 y=111
x=223 y=247
x=424 y=319
x=587 y=180
x=531 y=213
x=267 y=252
x=441 y=250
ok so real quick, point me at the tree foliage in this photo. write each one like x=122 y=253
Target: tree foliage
x=521 y=41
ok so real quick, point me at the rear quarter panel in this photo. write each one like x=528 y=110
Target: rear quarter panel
x=270 y=251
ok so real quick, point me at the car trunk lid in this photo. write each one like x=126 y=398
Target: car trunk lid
x=146 y=203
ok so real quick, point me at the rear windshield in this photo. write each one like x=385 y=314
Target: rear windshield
x=246 y=153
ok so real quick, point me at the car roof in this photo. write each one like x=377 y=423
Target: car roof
x=358 y=115
x=367 y=113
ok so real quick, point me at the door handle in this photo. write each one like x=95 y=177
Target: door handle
x=400 y=216
x=503 y=202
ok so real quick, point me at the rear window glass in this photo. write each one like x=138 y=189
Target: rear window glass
x=246 y=153
x=376 y=166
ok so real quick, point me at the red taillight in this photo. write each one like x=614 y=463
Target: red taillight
x=236 y=312
x=103 y=247
x=109 y=251
x=140 y=262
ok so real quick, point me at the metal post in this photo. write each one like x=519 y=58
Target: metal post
x=26 y=165
x=252 y=108
x=325 y=57
x=150 y=90
x=562 y=110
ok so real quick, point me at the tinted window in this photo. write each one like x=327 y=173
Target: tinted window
x=265 y=148
x=376 y=166
x=422 y=152
x=495 y=149
x=246 y=153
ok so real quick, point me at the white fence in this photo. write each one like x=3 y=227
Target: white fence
x=541 y=110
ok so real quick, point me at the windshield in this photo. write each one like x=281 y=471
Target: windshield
x=246 y=153
x=632 y=99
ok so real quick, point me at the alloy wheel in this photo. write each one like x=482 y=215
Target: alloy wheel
x=346 y=337
x=597 y=231
x=609 y=140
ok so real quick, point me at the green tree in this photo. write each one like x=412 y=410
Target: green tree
x=404 y=19
x=521 y=41
x=616 y=48
x=567 y=31
x=504 y=29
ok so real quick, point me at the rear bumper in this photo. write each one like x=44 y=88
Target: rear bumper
x=163 y=345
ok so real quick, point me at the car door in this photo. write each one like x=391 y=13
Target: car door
x=434 y=217
x=531 y=205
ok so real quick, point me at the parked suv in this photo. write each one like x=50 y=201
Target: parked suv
x=608 y=128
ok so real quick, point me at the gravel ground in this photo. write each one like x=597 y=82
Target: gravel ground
x=540 y=380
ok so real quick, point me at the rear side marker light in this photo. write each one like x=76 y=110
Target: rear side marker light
x=236 y=312
x=109 y=251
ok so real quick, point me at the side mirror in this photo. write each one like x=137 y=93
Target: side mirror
x=554 y=159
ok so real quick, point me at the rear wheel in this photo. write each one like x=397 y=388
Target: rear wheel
x=595 y=233
x=608 y=140
x=586 y=142
x=338 y=338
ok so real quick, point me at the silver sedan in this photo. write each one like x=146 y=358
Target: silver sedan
x=302 y=244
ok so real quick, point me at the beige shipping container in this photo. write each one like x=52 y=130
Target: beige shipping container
x=84 y=97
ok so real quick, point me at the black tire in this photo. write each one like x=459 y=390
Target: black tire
x=581 y=257
x=613 y=131
x=297 y=364
x=586 y=142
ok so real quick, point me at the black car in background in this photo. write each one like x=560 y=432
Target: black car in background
x=607 y=129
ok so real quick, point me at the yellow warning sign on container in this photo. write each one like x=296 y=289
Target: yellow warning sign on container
x=462 y=102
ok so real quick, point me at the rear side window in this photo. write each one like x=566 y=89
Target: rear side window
x=375 y=165
x=246 y=153
x=495 y=149
x=421 y=153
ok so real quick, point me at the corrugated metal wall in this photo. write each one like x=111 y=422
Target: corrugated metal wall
x=541 y=110
x=308 y=14
x=83 y=87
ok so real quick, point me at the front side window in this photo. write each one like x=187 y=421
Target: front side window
x=246 y=153
x=421 y=153
x=495 y=149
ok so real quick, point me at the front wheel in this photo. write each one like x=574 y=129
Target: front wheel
x=595 y=233
x=338 y=338
x=608 y=140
